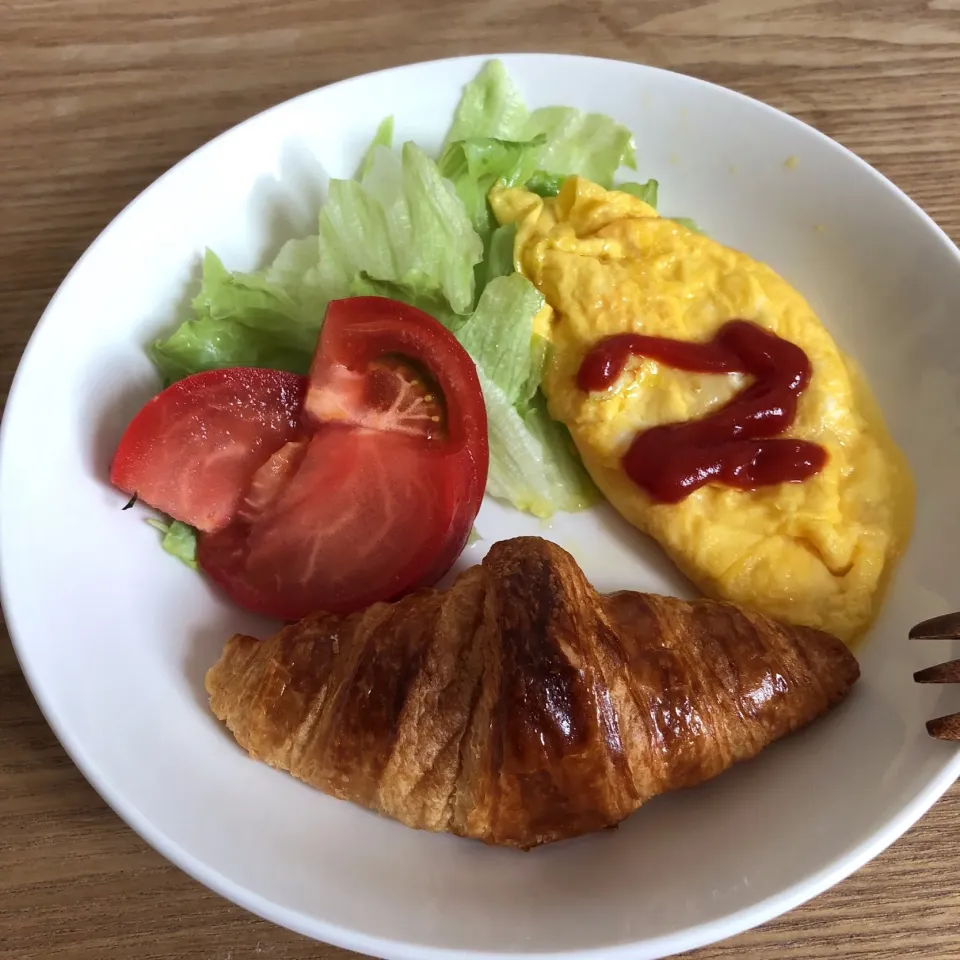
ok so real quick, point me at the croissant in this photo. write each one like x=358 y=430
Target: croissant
x=520 y=706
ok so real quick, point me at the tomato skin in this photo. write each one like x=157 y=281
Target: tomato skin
x=191 y=450
x=358 y=522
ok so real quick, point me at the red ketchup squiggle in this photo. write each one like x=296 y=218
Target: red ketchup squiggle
x=738 y=445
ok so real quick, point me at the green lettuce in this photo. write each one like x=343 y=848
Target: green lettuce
x=382 y=138
x=545 y=184
x=178 y=539
x=401 y=232
x=559 y=140
x=647 y=192
x=404 y=224
x=533 y=464
x=239 y=320
x=473 y=166
x=588 y=144
x=499 y=259
x=363 y=285
x=490 y=106
x=495 y=139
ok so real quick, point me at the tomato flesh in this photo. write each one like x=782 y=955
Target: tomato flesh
x=359 y=521
x=268 y=482
x=192 y=450
x=389 y=396
x=358 y=336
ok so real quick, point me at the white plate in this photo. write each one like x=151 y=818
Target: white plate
x=114 y=636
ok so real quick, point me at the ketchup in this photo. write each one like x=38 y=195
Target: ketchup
x=739 y=444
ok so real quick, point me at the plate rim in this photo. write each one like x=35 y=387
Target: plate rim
x=689 y=938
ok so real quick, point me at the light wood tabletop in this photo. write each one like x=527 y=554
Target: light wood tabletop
x=98 y=97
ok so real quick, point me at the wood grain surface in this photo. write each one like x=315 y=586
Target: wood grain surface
x=98 y=97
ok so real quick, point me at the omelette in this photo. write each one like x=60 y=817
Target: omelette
x=817 y=552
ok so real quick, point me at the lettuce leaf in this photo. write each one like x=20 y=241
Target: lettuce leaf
x=364 y=285
x=401 y=232
x=545 y=184
x=490 y=106
x=473 y=166
x=570 y=141
x=499 y=333
x=178 y=539
x=494 y=138
x=647 y=192
x=498 y=261
x=422 y=232
x=588 y=144
x=382 y=138
x=533 y=464
x=532 y=461
x=240 y=319
x=404 y=224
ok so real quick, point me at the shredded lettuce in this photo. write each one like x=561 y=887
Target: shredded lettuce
x=178 y=539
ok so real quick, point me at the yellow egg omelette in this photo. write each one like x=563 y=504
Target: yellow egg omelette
x=818 y=552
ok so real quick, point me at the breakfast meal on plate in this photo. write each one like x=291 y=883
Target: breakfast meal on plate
x=520 y=706
x=508 y=319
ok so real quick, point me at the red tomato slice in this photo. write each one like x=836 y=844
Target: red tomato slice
x=359 y=521
x=393 y=368
x=192 y=450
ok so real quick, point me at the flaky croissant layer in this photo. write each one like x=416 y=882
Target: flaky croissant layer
x=520 y=706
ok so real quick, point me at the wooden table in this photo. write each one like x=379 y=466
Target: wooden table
x=98 y=97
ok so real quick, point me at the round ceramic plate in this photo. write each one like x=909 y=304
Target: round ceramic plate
x=114 y=636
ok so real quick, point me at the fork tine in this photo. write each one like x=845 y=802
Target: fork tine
x=946 y=627
x=945 y=728
x=942 y=673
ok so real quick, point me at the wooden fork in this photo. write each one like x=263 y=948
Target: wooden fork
x=946 y=627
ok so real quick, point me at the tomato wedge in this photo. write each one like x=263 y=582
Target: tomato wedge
x=356 y=485
x=359 y=521
x=192 y=450
x=388 y=366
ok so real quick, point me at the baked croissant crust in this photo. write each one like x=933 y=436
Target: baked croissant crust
x=520 y=706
